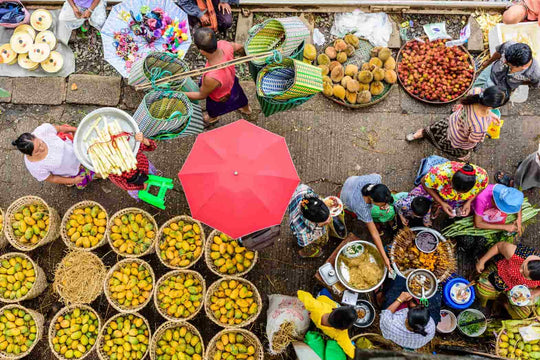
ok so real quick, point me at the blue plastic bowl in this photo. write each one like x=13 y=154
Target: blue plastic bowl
x=448 y=299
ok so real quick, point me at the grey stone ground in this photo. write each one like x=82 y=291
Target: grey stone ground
x=328 y=143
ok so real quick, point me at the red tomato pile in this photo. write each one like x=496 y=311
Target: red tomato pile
x=434 y=72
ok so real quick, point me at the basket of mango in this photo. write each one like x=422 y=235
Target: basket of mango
x=20 y=329
x=177 y=340
x=74 y=331
x=20 y=278
x=232 y=302
x=179 y=295
x=132 y=232
x=124 y=336
x=3 y=239
x=225 y=256
x=129 y=285
x=181 y=242
x=84 y=226
x=234 y=344
x=30 y=222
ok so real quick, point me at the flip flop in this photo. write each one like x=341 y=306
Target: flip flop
x=503 y=178
x=317 y=253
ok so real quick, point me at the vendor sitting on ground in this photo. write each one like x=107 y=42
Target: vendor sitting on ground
x=75 y=12
x=511 y=66
x=527 y=175
x=134 y=180
x=333 y=320
x=454 y=185
x=221 y=87
x=49 y=156
x=203 y=12
x=404 y=321
x=520 y=266
x=523 y=10
x=415 y=207
x=359 y=194
x=492 y=206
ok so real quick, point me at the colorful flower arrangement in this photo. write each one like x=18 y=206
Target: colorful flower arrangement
x=126 y=47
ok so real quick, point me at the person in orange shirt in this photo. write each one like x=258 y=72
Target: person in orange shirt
x=523 y=10
x=333 y=320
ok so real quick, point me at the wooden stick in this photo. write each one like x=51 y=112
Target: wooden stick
x=196 y=72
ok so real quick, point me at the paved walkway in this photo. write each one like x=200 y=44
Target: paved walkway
x=328 y=143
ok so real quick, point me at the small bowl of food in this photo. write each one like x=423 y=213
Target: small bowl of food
x=520 y=295
x=460 y=293
x=472 y=322
x=426 y=242
x=422 y=279
x=365 y=312
x=334 y=205
x=448 y=322
x=353 y=250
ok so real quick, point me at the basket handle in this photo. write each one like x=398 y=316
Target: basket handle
x=276 y=58
x=255 y=29
x=156 y=74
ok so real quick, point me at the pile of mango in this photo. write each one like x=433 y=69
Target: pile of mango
x=228 y=256
x=86 y=226
x=180 y=295
x=179 y=343
x=233 y=346
x=233 y=302
x=17 y=277
x=31 y=224
x=131 y=284
x=125 y=337
x=75 y=333
x=512 y=346
x=18 y=331
x=181 y=244
x=132 y=234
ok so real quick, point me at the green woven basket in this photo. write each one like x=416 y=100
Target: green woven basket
x=270 y=106
x=255 y=68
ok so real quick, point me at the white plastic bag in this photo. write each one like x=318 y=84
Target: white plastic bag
x=520 y=95
x=375 y=27
x=281 y=309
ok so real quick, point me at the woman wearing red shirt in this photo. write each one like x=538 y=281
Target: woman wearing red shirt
x=520 y=265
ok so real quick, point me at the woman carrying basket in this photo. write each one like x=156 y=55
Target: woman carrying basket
x=220 y=87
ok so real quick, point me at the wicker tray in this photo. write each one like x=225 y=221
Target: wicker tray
x=212 y=289
x=99 y=348
x=172 y=325
x=40 y=284
x=150 y=249
x=52 y=331
x=210 y=262
x=161 y=311
x=362 y=55
x=65 y=219
x=398 y=61
x=524 y=322
x=108 y=294
x=39 y=320
x=249 y=338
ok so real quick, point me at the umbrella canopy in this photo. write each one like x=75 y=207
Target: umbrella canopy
x=239 y=178
x=119 y=22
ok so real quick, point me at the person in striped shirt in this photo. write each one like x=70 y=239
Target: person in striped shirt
x=467 y=126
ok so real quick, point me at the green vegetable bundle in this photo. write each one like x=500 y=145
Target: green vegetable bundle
x=465 y=226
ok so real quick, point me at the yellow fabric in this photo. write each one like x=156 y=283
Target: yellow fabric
x=321 y=306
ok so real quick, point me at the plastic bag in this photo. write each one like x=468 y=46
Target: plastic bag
x=281 y=309
x=376 y=27
x=520 y=95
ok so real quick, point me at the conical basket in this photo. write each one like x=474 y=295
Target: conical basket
x=249 y=340
x=40 y=284
x=99 y=349
x=210 y=262
x=173 y=325
x=128 y=211
x=39 y=320
x=65 y=219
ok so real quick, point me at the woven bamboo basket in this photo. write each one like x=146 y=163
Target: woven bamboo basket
x=40 y=284
x=176 y=273
x=210 y=262
x=126 y=211
x=107 y=290
x=185 y=219
x=65 y=219
x=173 y=325
x=214 y=287
x=52 y=330
x=54 y=223
x=3 y=238
x=39 y=320
x=525 y=322
x=249 y=340
x=99 y=348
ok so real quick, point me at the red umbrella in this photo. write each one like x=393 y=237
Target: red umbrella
x=239 y=178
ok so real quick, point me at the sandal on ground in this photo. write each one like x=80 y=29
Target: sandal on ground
x=504 y=178
x=208 y=123
x=315 y=253
x=410 y=137
x=465 y=158
x=251 y=117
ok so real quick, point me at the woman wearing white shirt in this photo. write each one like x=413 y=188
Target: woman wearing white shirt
x=50 y=158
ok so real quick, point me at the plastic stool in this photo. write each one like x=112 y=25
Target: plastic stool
x=163 y=184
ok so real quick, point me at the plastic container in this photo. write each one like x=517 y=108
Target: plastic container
x=494 y=130
x=448 y=299
x=453 y=322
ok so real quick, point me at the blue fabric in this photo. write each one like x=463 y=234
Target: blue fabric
x=11 y=13
x=426 y=164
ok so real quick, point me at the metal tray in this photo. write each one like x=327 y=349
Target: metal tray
x=125 y=121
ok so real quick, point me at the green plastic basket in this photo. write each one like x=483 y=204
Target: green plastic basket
x=270 y=106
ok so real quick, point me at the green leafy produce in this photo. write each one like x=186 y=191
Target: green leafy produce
x=472 y=328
